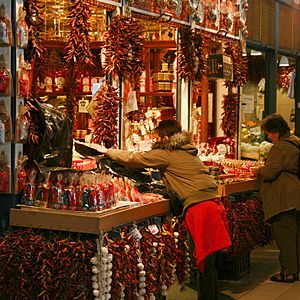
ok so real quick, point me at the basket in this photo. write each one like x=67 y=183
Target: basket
x=232 y=268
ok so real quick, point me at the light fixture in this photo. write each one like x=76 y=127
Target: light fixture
x=284 y=61
x=255 y=53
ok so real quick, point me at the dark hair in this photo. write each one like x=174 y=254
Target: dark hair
x=168 y=128
x=276 y=123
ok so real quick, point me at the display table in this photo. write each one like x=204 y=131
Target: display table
x=82 y=221
x=238 y=187
x=103 y=221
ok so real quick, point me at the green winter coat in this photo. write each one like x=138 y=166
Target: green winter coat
x=280 y=187
x=181 y=169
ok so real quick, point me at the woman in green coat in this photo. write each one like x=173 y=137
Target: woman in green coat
x=280 y=192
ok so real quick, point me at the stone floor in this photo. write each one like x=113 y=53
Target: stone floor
x=254 y=286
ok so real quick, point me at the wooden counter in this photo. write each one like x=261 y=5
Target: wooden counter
x=237 y=187
x=96 y=222
x=85 y=222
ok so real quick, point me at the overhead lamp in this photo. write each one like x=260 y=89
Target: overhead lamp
x=255 y=53
x=284 y=61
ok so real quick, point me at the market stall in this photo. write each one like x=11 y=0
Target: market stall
x=106 y=72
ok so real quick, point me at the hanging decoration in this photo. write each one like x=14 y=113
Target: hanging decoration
x=37 y=264
x=283 y=77
x=191 y=64
x=123 y=49
x=240 y=64
x=79 y=57
x=105 y=120
x=229 y=123
x=35 y=50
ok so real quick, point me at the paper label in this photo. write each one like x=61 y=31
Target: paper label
x=153 y=229
x=136 y=234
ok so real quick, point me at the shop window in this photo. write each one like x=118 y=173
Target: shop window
x=286 y=89
x=155 y=99
x=253 y=106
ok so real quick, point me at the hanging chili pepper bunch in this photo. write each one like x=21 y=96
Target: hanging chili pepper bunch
x=123 y=49
x=45 y=265
x=79 y=57
x=183 y=267
x=229 y=123
x=35 y=50
x=240 y=64
x=248 y=229
x=78 y=45
x=191 y=64
x=148 y=259
x=105 y=122
x=283 y=78
x=201 y=60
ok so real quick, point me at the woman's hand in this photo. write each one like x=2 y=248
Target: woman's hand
x=99 y=148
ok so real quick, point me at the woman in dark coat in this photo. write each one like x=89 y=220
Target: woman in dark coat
x=280 y=192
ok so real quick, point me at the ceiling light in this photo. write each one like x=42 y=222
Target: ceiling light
x=255 y=53
x=284 y=61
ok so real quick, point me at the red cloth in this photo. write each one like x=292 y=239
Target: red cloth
x=208 y=228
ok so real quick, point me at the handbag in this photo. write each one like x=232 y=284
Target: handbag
x=176 y=204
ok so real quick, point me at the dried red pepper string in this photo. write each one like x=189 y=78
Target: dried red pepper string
x=50 y=265
x=240 y=64
x=35 y=50
x=183 y=266
x=248 y=229
x=123 y=49
x=191 y=63
x=283 y=78
x=79 y=57
x=105 y=121
x=45 y=265
x=229 y=123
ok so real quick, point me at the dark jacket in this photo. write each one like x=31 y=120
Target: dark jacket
x=280 y=187
x=182 y=171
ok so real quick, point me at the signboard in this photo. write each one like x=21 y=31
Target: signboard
x=219 y=66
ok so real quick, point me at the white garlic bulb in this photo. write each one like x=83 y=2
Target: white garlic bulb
x=95 y=285
x=142 y=292
x=104 y=251
x=109 y=257
x=94 y=260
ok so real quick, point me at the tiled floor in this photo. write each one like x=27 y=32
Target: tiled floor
x=254 y=286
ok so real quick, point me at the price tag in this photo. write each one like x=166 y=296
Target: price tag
x=136 y=234
x=143 y=130
x=153 y=229
x=82 y=105
x=151 y=125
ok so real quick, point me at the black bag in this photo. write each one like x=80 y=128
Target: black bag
x=176 y=204
x=55 y=129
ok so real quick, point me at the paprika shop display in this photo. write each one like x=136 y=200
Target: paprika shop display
x=143 y=261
